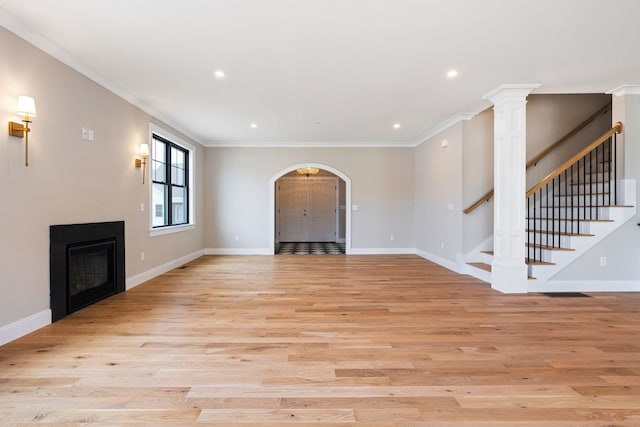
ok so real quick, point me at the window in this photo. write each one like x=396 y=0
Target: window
x=170 y=177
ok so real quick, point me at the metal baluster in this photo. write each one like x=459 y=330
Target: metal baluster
x=566 y=203
x=529 y=227
x=547 y=208
x=615 y=170
x=608 y=165
x=553 y=208
x=590 y=180
x=597 y=208
x=535 y=214
x=584 y=178
x=572 y=204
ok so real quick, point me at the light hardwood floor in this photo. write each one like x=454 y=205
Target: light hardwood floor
x=329 y=340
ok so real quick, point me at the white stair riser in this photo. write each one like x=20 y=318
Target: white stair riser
x=563 y=212
x=574 y=227
x=581 y=199
x=548 y=239
x=582 y=188
x=539 y=254
x=591 y=177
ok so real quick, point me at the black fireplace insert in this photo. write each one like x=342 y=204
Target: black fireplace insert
x=86 y=265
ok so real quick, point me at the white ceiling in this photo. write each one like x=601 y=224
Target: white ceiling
x=331 y=72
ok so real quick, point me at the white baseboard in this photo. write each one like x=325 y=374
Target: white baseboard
x=238 y=251
x=438 y=260
x=584 y=286
x=24 y=326
x=134 y=281
x=382 y=251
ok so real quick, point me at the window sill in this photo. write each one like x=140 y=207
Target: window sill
x=170 y=230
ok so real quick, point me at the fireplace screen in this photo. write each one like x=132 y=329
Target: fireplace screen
x=90 y=266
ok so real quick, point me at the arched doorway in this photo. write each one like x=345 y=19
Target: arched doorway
x=347 y=201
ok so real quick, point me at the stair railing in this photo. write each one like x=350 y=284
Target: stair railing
x=572 y=194
x=534 y=161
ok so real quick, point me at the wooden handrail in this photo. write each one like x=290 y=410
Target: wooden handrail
x=577 y=129
x=486 y=197
x=617 y=128
x=478 y=202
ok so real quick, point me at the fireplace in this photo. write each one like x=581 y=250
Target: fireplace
x=86 y=265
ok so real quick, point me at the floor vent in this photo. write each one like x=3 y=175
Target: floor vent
x=566 y=295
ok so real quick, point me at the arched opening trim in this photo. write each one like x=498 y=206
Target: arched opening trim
x=272 y=201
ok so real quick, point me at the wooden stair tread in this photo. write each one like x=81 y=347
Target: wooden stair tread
x=595 y=193
x=487 y=267
x=571 y=219
x=590 y=182
x=559 y=233
x=549 y=248
x=585 y=206
x=527 y=261
x=530 y=262
x=481 y=266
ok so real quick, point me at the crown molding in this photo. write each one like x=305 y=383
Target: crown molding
x=511 y=90
x=633 y=89
x=310 y=144
x=442 y=127
x=33 y=37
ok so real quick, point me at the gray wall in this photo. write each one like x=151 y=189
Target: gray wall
x=477 y=178
x=550 y=117
x=438 y=195
x=237 y=193
x=70 y=180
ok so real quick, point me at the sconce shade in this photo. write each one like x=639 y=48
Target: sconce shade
x=144 y=150
x=26 y=106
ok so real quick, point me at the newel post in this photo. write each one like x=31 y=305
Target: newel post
x=508 y=269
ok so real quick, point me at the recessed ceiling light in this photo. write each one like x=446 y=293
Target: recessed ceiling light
x=253 y=125
x=219 y=74
x=396 y=126
x=452 y=74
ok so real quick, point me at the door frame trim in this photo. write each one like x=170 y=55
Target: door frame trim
x=272 y=201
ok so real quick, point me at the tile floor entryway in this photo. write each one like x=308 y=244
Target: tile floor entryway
x=310 y=248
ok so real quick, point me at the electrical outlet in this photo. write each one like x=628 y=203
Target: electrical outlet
x=236 y=237
x=141 y=207
x=392 y=237
x=603 y=261
x=141 y=256
x=87 y=134
x=441 y=245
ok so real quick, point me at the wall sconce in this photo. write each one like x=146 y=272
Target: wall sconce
x=144 y=153
x=26 y=108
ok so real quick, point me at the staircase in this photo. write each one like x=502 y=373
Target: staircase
x=569 y=211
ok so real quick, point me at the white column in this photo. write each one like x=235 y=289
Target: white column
x=508 y=269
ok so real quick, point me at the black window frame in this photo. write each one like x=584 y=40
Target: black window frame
x=168 y=182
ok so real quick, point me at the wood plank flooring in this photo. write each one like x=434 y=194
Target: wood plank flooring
x=330 y=340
